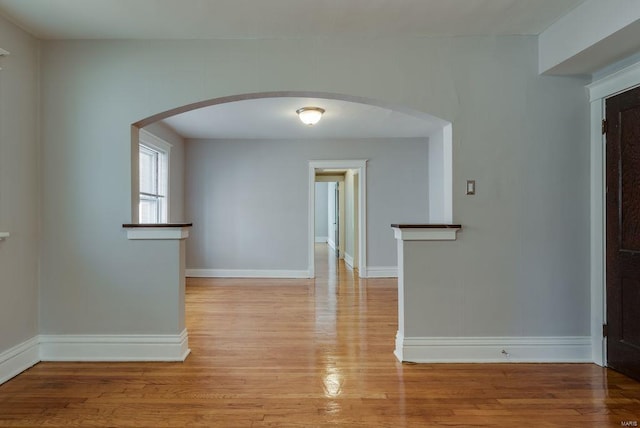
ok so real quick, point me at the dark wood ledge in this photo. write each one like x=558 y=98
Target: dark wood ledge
x=131 y=225
x=427 y=226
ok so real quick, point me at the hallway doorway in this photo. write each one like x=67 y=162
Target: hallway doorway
x=342 y=207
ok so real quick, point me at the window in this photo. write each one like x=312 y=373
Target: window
x=154 y=179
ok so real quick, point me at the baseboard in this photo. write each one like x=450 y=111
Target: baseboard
x=331 y=243
x=18 y=359
x=348 y=259
x=153 y=347
x=572 y=349
x=382 y=272
x=246 y=273
x=399 y=347
x=321 y=239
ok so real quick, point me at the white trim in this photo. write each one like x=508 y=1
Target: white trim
x=149 y=139
x=571 y=349
x=18 y=359
x=424 y=234
x=4 y=235
x=348 y=260
x=166 y=233
x=615 y=83
x=331 y=243
x=246 y=273
x=311 y=222
x=152 y=347
x=322 y=239
x=597 y=239
x=382 y=272
x=399 y=348
x=361 y=166
x=155 y=347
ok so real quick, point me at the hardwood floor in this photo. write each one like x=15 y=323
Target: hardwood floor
x=301 y=353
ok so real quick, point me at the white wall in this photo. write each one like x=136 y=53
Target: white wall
x=176 y=169
x=248 y=198
x=19 y=187
x=321 y=214
x=593 y=35
x=94 y=280
x=519 y=268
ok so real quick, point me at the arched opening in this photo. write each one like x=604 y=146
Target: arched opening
x=348 y=118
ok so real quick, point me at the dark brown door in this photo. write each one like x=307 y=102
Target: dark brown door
x=623 y=232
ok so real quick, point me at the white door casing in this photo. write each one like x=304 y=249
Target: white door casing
x=361 y=167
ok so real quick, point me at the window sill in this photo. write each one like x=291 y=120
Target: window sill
x=166 y=231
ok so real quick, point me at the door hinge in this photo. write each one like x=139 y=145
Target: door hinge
x=605 y=330
x=605 y=127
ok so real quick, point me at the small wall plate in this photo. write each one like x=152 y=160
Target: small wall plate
x=3 y=53
x=471 y=187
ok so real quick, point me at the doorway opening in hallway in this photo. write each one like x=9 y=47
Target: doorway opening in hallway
x=335 y=213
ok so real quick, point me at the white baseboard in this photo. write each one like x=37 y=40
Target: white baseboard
x=382 y=272
x=321 y=239
x=572 y=349
x=92 y=348
x=398 y=351
x=331 y=243
x=245 y=273
x=348 y=259
x=18 y=359
x=147 y=347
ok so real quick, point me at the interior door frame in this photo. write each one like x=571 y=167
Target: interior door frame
x=361 y=167
x=606 y=87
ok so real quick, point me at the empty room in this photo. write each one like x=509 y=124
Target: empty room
x=319 y=213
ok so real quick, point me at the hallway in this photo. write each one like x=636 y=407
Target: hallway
x=300 y=353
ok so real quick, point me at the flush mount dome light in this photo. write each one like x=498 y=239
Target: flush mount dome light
x=310 y=115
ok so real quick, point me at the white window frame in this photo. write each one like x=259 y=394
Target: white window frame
x=162 y=147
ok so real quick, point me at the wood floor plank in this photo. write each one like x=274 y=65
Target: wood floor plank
x=305 y=353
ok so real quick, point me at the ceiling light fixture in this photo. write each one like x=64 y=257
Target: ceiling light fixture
x=310 y=115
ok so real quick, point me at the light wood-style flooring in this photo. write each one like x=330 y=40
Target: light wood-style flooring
x=305 y=353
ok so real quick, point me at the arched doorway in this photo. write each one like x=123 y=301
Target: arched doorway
x=377 y=120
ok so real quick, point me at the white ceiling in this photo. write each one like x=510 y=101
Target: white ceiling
x=275 y=118
x=246 y=19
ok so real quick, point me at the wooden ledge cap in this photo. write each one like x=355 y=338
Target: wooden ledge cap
x=133 y=225
x=162 y=231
